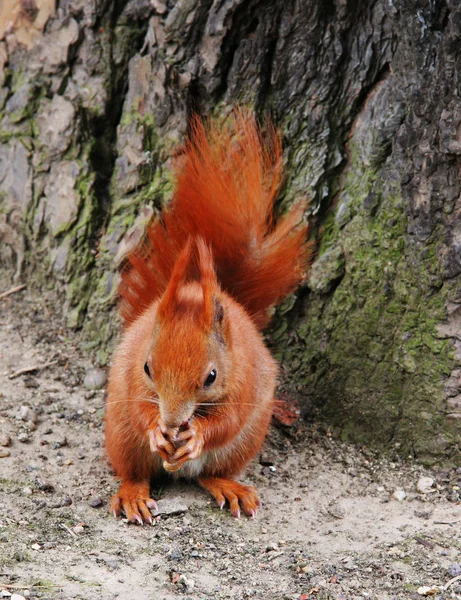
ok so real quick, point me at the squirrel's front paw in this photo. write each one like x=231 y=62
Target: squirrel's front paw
x=159 y=442
x=190 y=443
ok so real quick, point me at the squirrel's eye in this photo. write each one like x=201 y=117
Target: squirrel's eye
x=210 y=379
x=146 y=370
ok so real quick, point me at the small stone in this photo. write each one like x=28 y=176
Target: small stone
x=425 y=485
x=5 y=594
x=112 y=563
x=78 y=529
x=266 y=459
x=59 y=443
x=425 y=590
x=5 y=440
x=44 y=486
x=27 y=491
x=24 y=413
x=95 y=501
x=454 y=570
x=31 y=382
x=170 y=507
x=399 y=495
x=336 y=511
x=424 y=514
x=349 y=563
x=36 y=547
x=17 y=597
x=189 y=584
x=23 y=437
x=4 y=452
x=95 y=379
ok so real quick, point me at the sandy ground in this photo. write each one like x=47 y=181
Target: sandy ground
x=329 y=526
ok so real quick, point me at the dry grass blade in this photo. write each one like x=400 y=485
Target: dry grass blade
x=31 y=369
x=13 y=290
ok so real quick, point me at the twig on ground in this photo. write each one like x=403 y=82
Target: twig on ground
x=13 y=290
x=72 y=533
x=31 y=369
x=452 y=581
x=17 y=586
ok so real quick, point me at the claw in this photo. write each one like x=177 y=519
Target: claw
x=133 y=497
x=240 y=497
x=151 y=504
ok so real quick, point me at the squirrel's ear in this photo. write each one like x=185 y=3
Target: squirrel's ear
x=220 y=322
x=168 y=304
x=208 y=281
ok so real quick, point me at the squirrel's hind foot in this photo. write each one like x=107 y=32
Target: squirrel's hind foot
x=237 y=494
x=133 y=498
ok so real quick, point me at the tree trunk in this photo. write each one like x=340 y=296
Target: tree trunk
x=367 y=96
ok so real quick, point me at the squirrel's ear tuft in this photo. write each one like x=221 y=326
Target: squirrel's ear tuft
x=208 y=281
x=168 y=304
x=220 y=322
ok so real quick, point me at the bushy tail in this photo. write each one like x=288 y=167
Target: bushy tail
x=226 y=183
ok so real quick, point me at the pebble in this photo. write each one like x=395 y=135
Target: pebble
x=27 y=491
x=95 y=379
x=17 y=597
x=399 y=495
x=27 y=414
x=23 y=437
x=4 y=452
x=5 y=440
x=349 y=563
x=454 y=570
x=59 y=443
x=44 y=486
x=425 y=485
x=425 y=590
x=266 y=459
x=95 y=501
x=31 y=382
x=424 y=514
x=189 y=584
x=170 y=507
x=112 y=563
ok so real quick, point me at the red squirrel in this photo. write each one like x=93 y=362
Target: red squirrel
x=192 y=384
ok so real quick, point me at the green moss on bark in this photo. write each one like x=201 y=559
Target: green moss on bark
x=369 y=356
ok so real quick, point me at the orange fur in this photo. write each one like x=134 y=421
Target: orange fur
x=226 y=183
x=191 y=385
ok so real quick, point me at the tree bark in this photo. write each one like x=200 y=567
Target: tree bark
x=367 y=96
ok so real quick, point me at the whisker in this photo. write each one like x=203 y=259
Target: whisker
x=148 y=400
